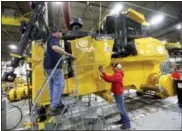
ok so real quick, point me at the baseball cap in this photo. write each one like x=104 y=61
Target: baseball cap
x=55 y=29
x=118 y=65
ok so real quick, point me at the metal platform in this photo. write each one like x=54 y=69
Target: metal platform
x=142 y=110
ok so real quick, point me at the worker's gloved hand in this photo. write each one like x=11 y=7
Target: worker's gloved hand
x=73 y=57
x=101 y=69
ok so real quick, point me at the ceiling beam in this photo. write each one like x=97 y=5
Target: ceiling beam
x=94 y=4
x=6 y=32
x=6 y=20
x=7 y=6
x=166 y=28
x=168 y=34
x=19 y=8
x=85 y=10
x=102 y=13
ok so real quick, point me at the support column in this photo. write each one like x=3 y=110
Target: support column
x=66 y=14
x=46 y=14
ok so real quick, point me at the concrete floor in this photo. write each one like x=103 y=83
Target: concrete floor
x=165 y=116
x=145 y=113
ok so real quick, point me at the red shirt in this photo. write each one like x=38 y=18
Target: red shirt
x=117 y=82
x=176 y=75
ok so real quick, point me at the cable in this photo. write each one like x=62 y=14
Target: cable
x=19 y=120
x=18 y=106
x=28 y=87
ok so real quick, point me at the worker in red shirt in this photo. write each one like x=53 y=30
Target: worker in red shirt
x=176 y=74
x=117 y=88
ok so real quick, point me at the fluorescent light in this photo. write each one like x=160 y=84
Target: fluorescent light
x=117 y=9
x=58 y=3
x=157 y=19
x=178 y=26
x=164 y=41
x=13 y=47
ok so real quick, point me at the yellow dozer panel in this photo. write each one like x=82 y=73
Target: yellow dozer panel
x=38 y=74
x=142 y=72
x=137 y=17
x=90 y=53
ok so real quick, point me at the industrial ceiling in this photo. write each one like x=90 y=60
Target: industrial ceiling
x=168 y=29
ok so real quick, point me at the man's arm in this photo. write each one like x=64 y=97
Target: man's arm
x=112 y=78
x=55 y=47
x=60 y=51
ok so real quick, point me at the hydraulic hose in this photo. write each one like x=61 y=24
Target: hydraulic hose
x=21 y=117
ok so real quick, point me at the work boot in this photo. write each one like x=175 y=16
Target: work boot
x=119 y=122
x=63 y=108
x=124 y=126
x=55 y=112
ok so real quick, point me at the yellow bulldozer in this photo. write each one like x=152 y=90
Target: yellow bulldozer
x=120 y=40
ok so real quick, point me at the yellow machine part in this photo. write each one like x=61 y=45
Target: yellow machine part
x=15 y=94
x=166 y=82
x=19 y=82
x=173 y=45
x=11 y=95
x=18 y=93
x=161 y=83
x=38 y=74
x=137 y=68
x=137 y=17
x=90 y=53
x=6 y=20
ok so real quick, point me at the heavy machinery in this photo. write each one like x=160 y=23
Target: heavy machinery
x=19 y=90
x=16 y=90
x=120 y=40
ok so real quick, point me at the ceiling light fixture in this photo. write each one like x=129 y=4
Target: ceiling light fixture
x=178 y=26
x=164 y=41
x=177 y=42
x=157 y=19
x=58 y=3
x=13 y=47
x=117 y=9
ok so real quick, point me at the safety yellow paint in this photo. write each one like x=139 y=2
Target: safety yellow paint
x=142 y=69
x=40 y=125
x=38 y=74
x=173 y=45
x=15 y=55
x=13 y=21
x=137 y=17
x=18 y=93
x=90 y=54
x=166 y=82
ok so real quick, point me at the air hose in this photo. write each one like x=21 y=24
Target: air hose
x=21 y=117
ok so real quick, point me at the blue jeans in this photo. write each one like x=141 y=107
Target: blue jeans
x=120 y=104
x=56 y=87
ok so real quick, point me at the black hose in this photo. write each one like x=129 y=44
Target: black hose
x=20 y=118
x=28 y=87
x=20 y=106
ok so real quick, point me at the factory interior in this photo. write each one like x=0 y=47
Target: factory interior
x=91 y=65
